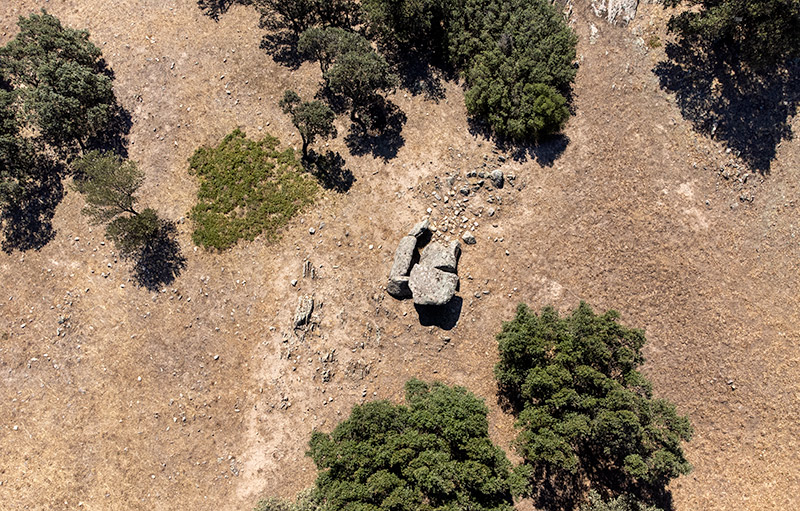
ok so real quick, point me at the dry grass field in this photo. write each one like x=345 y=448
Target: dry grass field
x=199 y=396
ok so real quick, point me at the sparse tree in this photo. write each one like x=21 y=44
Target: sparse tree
x=360 y=77
x=311 y=118
x=326 y=44
x=16 y=152
x=61 y=79
x=300 y=15
x=109 y=186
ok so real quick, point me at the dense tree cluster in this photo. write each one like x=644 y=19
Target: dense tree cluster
x=760 y=32
x=518 y=64
x=582 y=405
x=517 y=57
x=433 y=454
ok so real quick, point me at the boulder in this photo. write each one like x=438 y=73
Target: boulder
x=442 y=257
x=431 y=286
x=497 y=178
x=398 y=286
x=421 y=228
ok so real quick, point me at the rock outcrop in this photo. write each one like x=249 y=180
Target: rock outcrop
x=616 y=11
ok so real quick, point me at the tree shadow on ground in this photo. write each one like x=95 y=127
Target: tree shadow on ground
x=160 y=261
x=418 y=74
x=282 y=47
x=114 y=138
x=216 y=8
x=381 y=133
x=544 y=151
x=27 y=223
x=443 y=316
x=750 y=111
x=330 y=171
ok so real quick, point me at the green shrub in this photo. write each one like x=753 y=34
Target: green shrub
x=246 y=188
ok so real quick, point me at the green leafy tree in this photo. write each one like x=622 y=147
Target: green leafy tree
x=109 y=186
x=326 y=44
x=360 y=77
x=519 y=64
x=434 y=454
x=582 y=405
x=311 y=118
x=407 y=23
x=16 y=153
x=760 y=32
x=621 y=503
x=60 y=77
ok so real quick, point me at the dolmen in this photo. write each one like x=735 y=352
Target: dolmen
x=423 y=270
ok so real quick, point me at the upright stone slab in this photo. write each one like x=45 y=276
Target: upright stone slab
x=398 y=276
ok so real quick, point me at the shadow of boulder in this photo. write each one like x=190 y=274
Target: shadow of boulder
x=443 y=316
x=750 y=111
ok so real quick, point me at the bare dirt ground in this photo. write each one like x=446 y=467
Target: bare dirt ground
x=199 y=397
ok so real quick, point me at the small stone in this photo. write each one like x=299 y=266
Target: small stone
x=294 y=282
x=468 y=238
x=497 y=178
x=311 y=230
x=420 y=228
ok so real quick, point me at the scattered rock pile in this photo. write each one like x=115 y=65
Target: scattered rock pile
x=433 y=279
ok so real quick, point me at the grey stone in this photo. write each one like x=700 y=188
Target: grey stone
x=403 y=255
x=431 y=286
x=442 y=257
x=468 y=238
x=305 y=307
x=497 y=178
x=421 y=228
x=616 y=10
x=398 y=286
